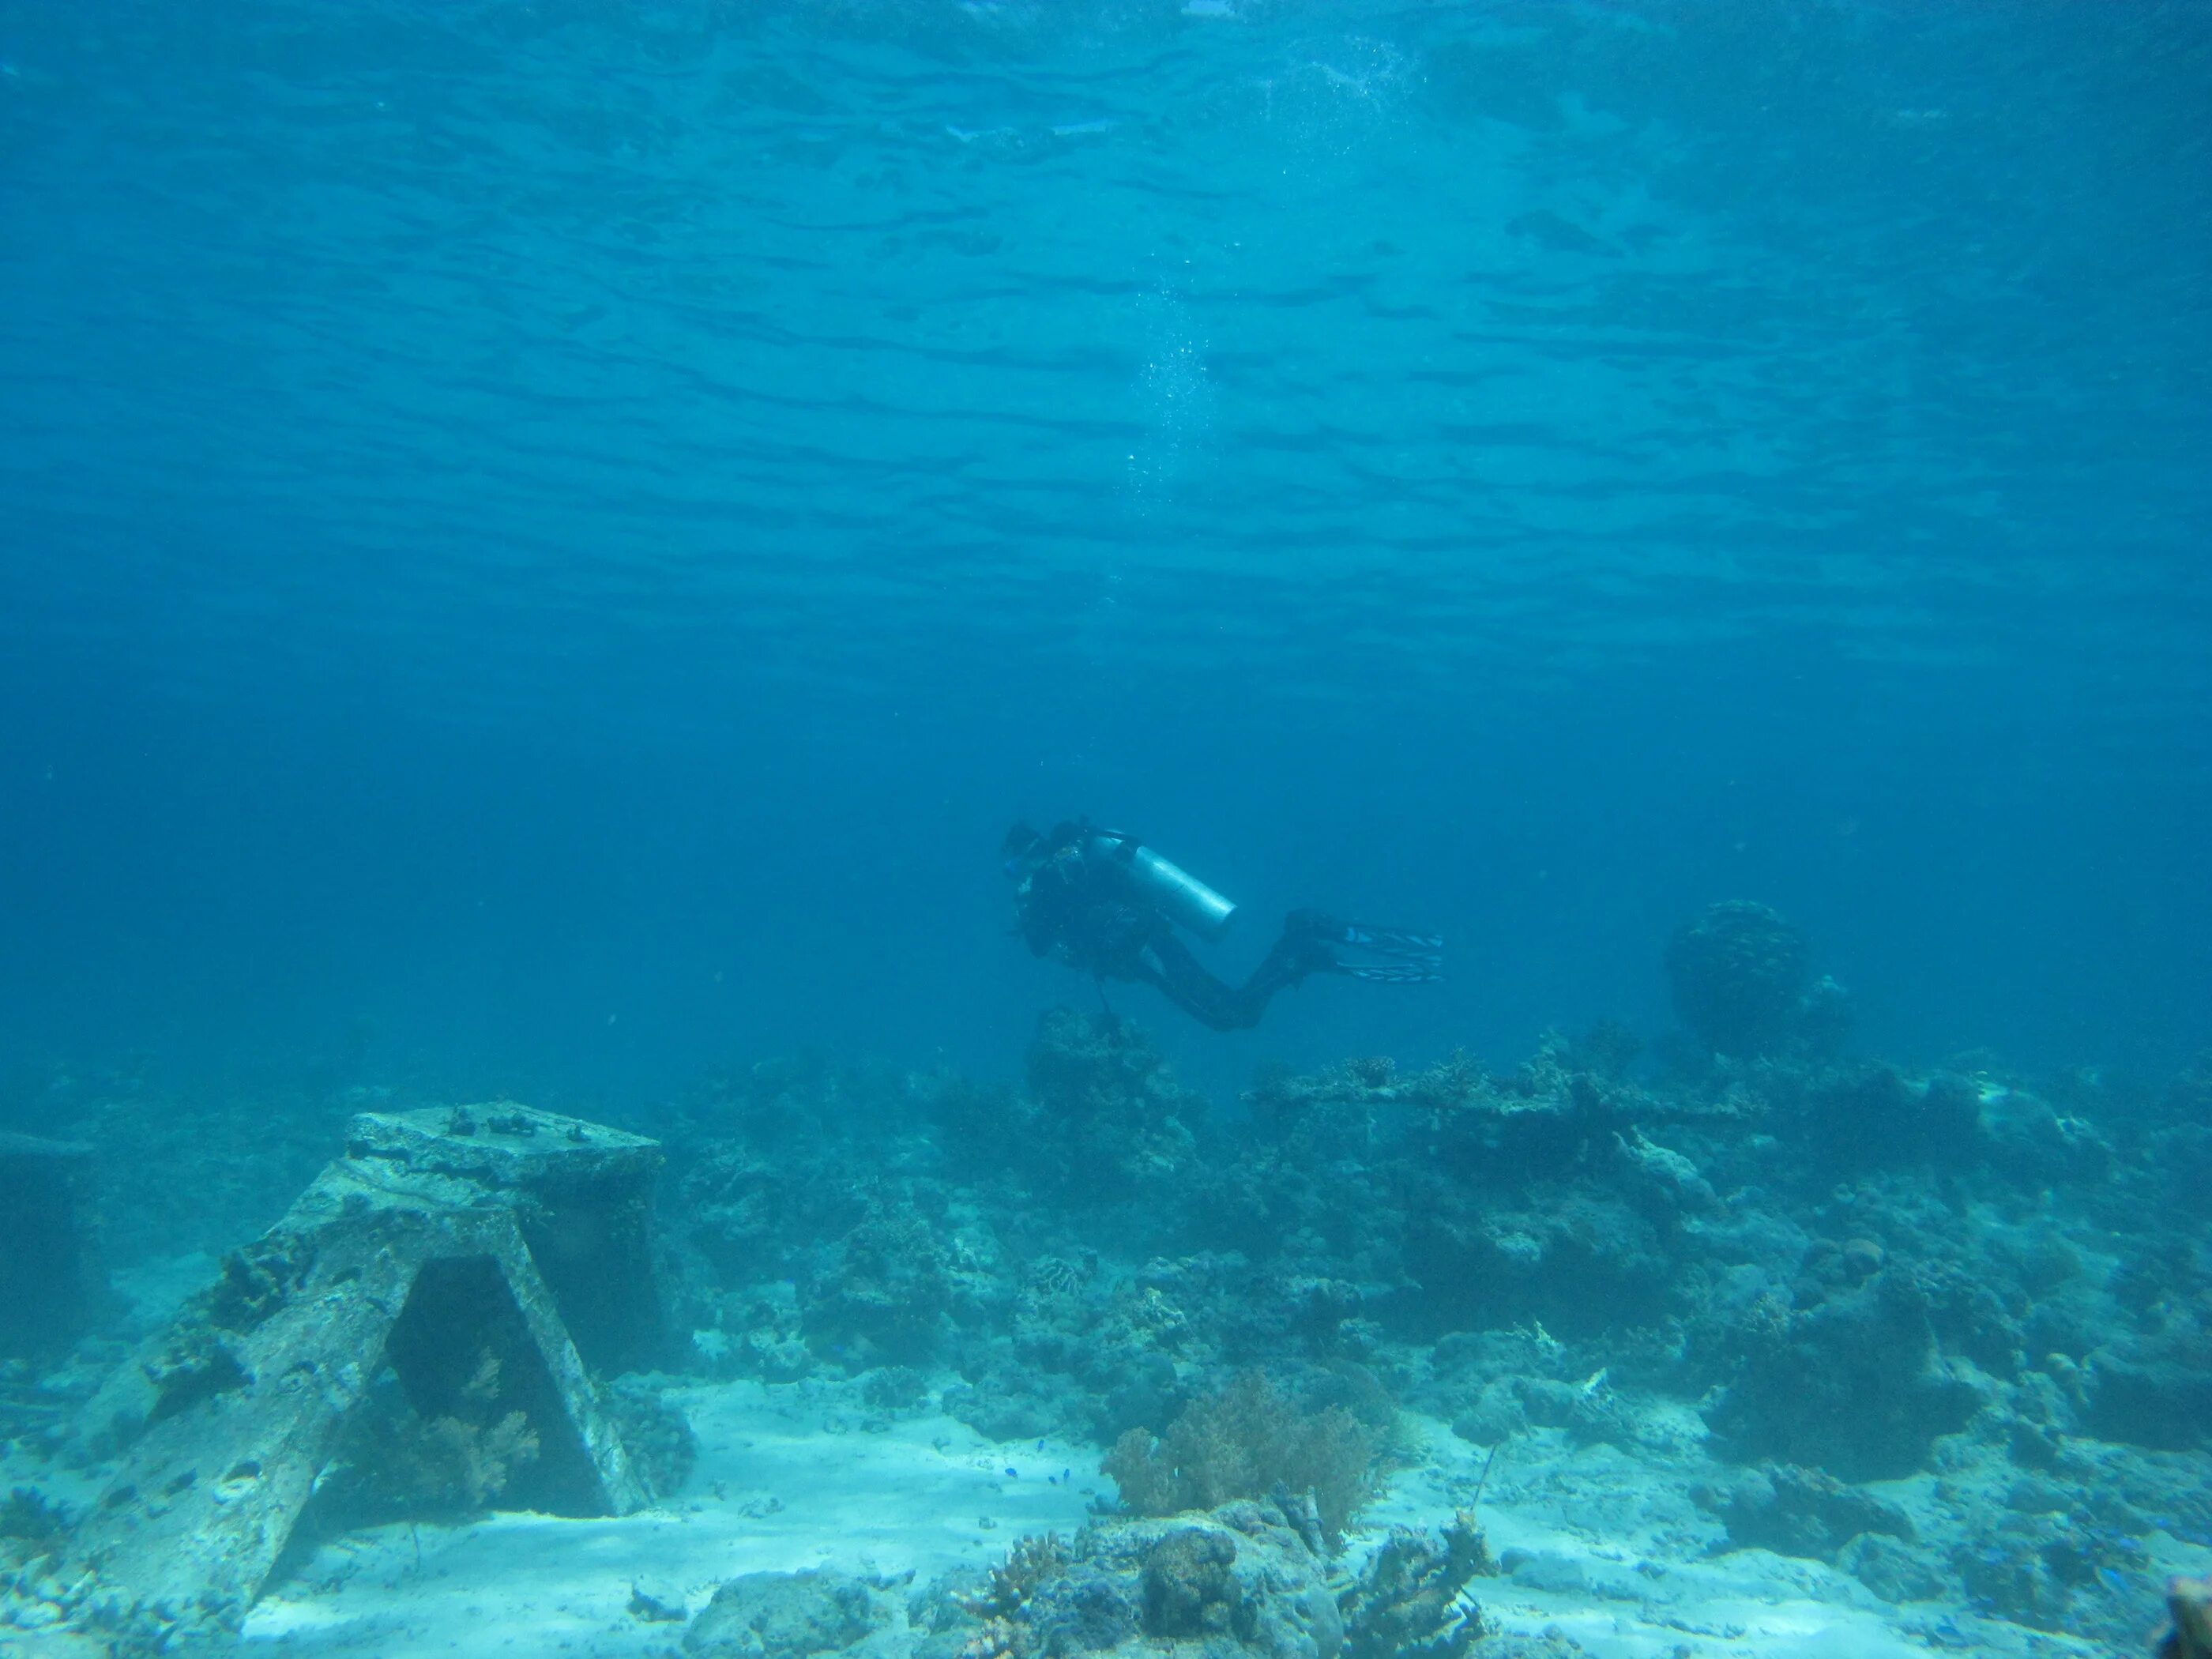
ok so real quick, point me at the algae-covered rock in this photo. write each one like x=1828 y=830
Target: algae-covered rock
x=1798 y=1511
x=1893 y=1569
x=1189 y=1589
x=782 y=1615
x=656 y=1433
x=1874 y=1116
x=1855 y=1387
x=887 y=1289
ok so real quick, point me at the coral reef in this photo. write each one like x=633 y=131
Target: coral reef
x=1855 y=1385
x=884 y=1293
x=1736 y=973
x=1189 y=1588
x=1101 y=1120
x=655 y=1433
x=1413 y=1601
x=1942 y=1330
x=1843 y=1273
x=395 y=1462
x=1244 y=1579
x=1248 y=1441
x=1796 y=1511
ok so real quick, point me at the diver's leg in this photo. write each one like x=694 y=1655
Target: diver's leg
x=1310 y=942
x=1186 y=982
x=1166 y=962
x=1301 y=948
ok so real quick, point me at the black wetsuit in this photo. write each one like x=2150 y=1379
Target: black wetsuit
x=1083 y=909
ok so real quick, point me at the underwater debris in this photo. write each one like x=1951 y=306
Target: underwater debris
x=582 y=1194
x=396 y=1300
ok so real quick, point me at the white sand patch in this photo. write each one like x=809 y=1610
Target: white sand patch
x=1610 y=1550
x=787 y=1479
x=1607 y=1546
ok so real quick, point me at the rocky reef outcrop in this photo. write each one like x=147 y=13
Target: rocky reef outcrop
x=1244 y=1578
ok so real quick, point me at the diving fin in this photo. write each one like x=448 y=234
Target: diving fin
x=1389 y=955
x=1394 y=973
x=1390 y=942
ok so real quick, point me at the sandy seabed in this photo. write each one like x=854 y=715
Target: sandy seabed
x=1607 y=1546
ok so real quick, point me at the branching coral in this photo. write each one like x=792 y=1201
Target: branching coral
x=394 y=1462
x=1414 y=1601
x=473 y=1463
x=1245 y=1441
x=1030 y=1562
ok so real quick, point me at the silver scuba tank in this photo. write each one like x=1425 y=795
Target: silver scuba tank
x=1180 y=896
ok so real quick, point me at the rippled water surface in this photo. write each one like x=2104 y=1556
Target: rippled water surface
x=567 y=528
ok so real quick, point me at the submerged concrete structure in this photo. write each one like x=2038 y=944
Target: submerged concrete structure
x=52 y=1285
x=488 y=1256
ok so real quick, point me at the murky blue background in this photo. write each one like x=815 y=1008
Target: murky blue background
x=544 y=543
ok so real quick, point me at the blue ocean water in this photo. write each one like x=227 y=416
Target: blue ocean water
x=544 y=543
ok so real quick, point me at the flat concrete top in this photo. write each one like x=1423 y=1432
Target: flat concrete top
x=498 y=1136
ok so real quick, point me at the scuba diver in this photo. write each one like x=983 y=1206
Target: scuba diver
x=1102 y=900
